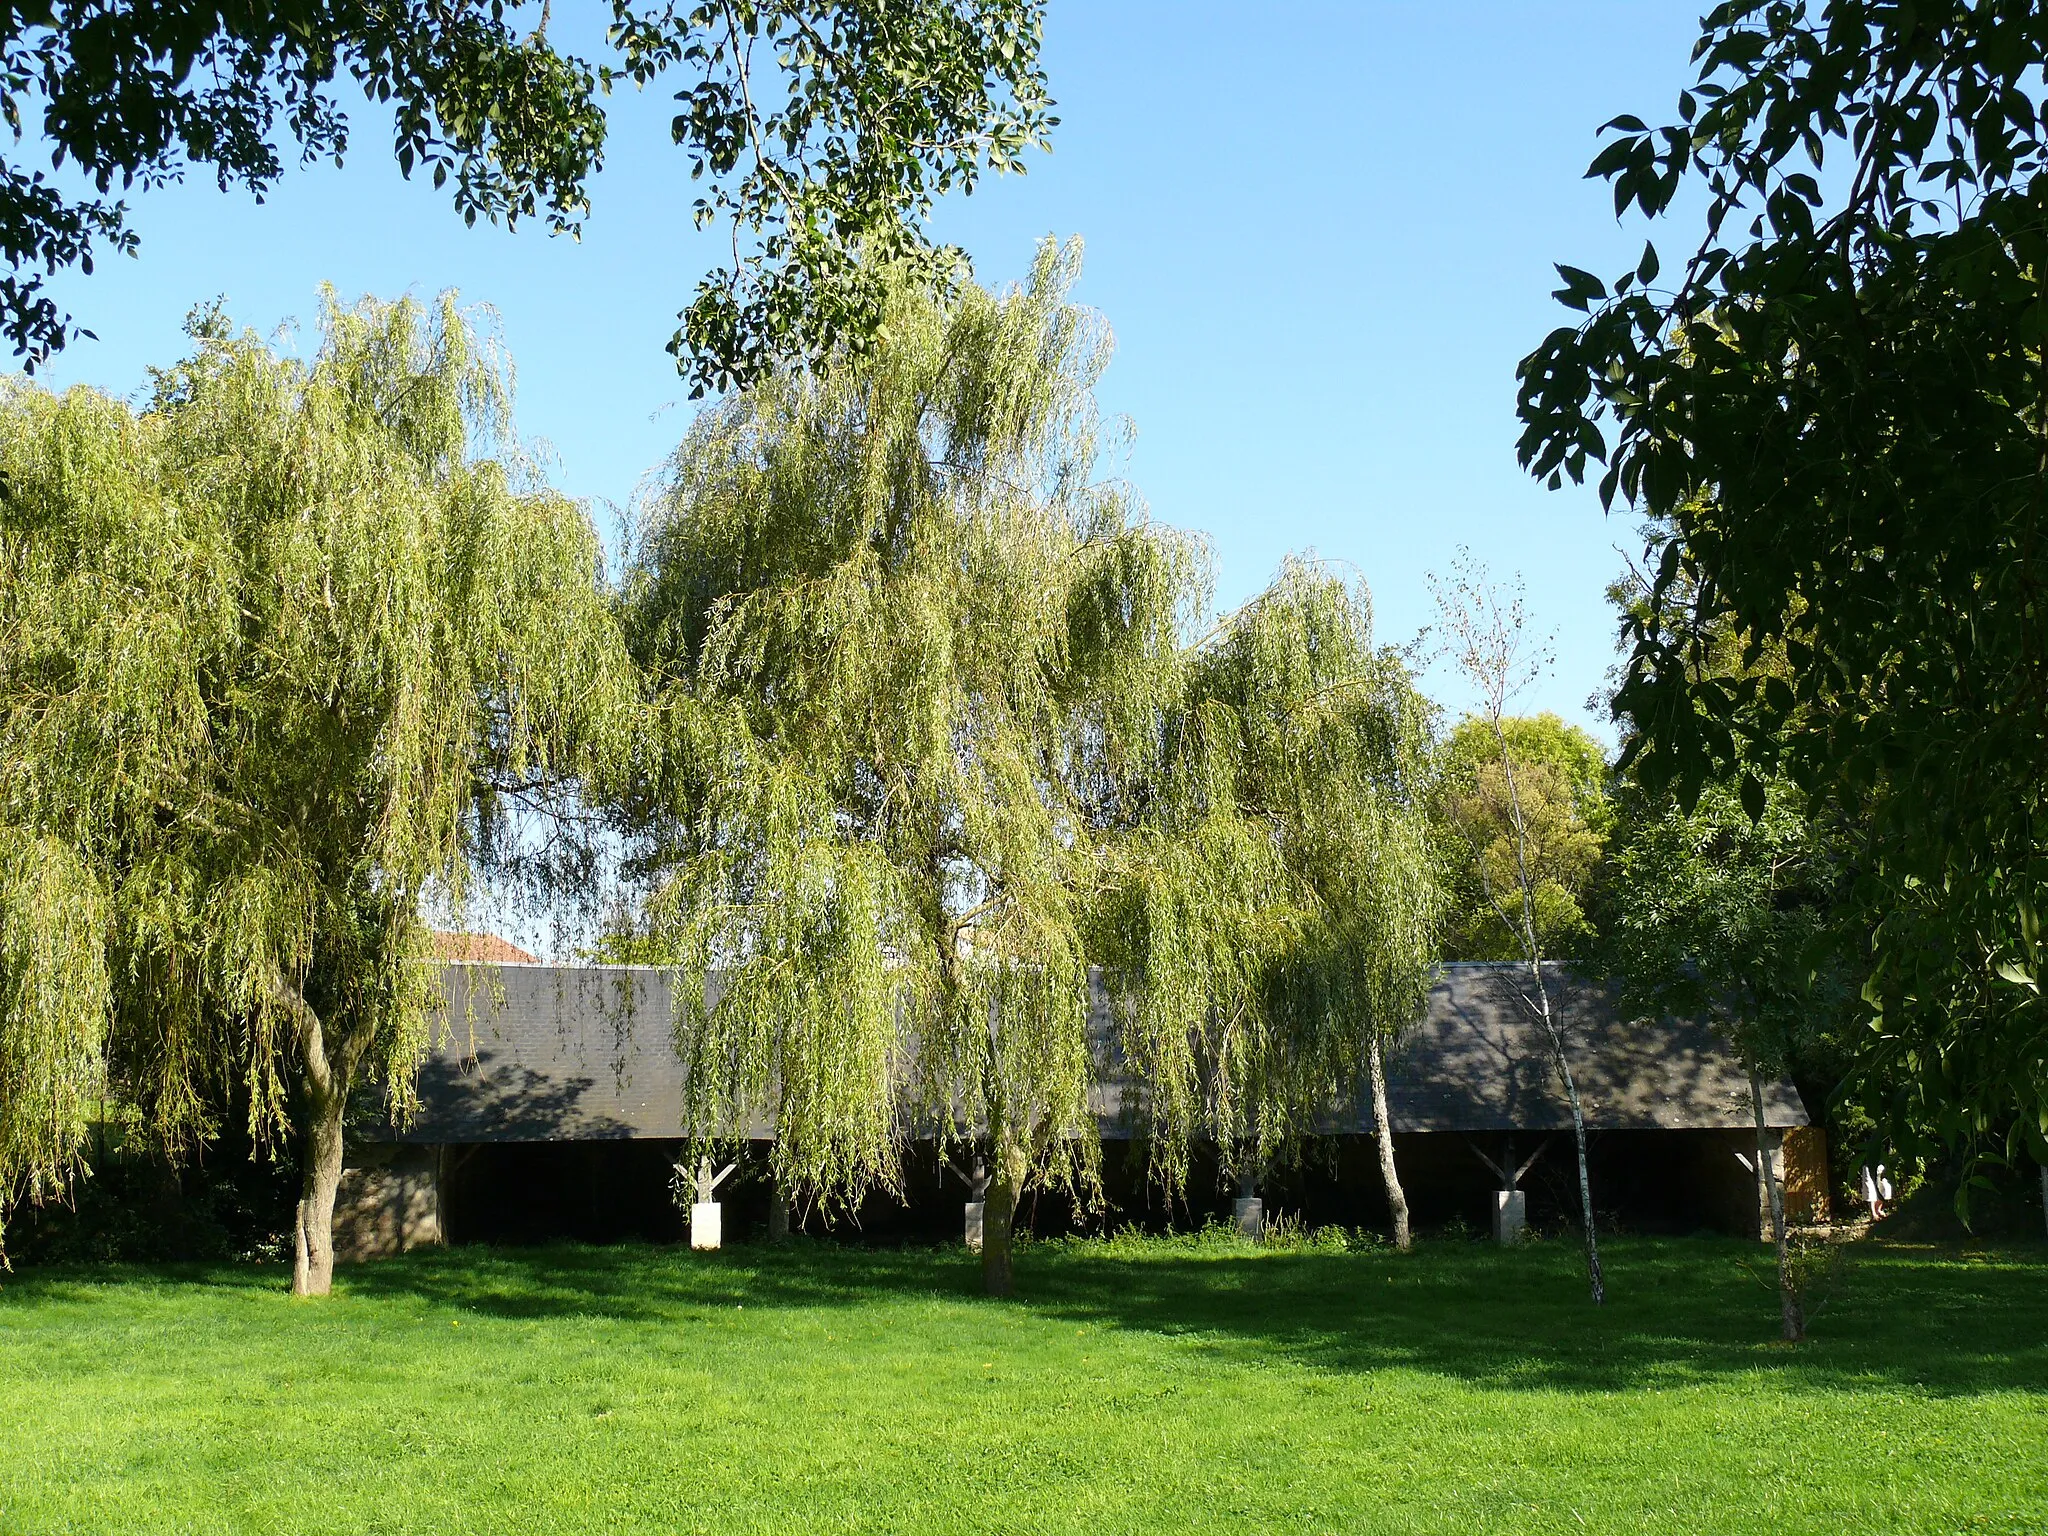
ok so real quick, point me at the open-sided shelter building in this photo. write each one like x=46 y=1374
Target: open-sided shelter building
x=554 y=1109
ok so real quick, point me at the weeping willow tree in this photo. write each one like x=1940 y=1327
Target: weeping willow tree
x=922 y=676
x=910 y=652
x=273 y=651
x=1287 y=879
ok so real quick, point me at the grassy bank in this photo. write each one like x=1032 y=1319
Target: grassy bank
x=1132 y=1387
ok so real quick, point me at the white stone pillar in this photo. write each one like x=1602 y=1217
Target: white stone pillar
x=1248 y=1215
x=707 y=1224
x=1510 y=1215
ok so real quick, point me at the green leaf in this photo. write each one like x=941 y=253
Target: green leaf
x=1581 y=288
x=2018 y=974
x=1753 y=797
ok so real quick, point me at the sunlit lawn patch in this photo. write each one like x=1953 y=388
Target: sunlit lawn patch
x=1132 y=1387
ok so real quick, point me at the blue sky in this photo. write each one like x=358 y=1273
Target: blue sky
x=1323 y=240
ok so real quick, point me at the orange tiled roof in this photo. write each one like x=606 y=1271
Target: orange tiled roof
x=480 y=948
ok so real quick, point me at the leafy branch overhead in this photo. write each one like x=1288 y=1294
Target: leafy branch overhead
x=1833 y=412
x=822 y=132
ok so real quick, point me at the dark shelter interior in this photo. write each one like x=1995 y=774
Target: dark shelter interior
x=624 y=1190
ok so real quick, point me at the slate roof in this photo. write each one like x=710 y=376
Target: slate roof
x=552 y=1053
x=578 y=1053
x=1479 y=1061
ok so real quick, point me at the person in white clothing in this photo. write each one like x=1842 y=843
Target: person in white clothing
x=1870 y=1194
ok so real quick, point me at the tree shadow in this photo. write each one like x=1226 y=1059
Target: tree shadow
x=493 y=1096
x=1481 y=1061
x=1680 y=1312
x=645 y=1282
x=1938 y=1320
x=1933 y=1319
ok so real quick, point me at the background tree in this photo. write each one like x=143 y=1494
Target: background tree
x=1301 y=751
x=1561 y=782
x=822 y=130
x=1485 y=631
x=1835 y=415
x=274 y=653
x=1711 y=914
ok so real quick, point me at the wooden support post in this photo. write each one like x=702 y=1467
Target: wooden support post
x=975 y=1215
x=1510 y=1204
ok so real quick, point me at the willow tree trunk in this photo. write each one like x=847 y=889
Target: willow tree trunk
x=999 y=1217
x=329 y=1069
x=313 y=1239
x=1792 y=1310
x=1397 y=1198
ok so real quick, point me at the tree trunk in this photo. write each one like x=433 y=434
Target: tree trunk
x=1791 y=1309
x=1594 y=1279
x=1397 y=1198
x=778 y=1212
x=324 y=1098
x=313 y=1243
x=998 y=1220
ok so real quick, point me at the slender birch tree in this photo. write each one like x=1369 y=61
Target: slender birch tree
x=1486 y=631
x=275 y=652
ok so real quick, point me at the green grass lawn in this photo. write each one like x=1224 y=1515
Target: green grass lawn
x=1133 y=1386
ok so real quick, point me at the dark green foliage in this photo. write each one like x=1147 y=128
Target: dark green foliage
x=135 y=1207
x=823 y=129
x=826 y=131
x=131 y=93
x=1710 y=913
x=1835 y=412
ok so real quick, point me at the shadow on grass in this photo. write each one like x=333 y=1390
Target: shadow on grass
x=1935 y=1319
x=1928 y=1317
x=1679 y=1311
